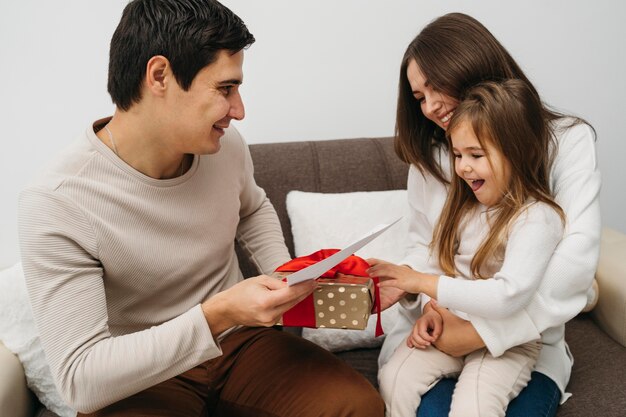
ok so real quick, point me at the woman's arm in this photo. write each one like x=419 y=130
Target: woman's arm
x=426 y=197
x=459 y=337
x=575 y=181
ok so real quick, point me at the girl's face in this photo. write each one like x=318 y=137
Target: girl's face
x=484 y=169
x=435 y=105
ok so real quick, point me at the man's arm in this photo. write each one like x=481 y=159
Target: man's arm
x=257 y=302
x=259 y=232
x=66 y=284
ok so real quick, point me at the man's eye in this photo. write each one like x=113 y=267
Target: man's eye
x=226 y=89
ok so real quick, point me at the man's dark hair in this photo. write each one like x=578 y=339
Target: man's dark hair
x=189 y=33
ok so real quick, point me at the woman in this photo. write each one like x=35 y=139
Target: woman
x=450 y=55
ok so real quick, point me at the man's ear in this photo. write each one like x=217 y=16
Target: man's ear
x=158 y=75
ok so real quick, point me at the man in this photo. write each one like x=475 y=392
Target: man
x=127 y=243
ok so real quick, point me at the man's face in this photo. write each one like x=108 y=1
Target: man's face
x=197 y=117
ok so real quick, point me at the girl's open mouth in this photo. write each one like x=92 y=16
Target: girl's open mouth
x=476 y=184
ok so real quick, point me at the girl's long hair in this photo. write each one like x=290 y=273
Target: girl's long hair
x=509 y=116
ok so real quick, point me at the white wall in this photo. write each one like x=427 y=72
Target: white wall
x=322 y=69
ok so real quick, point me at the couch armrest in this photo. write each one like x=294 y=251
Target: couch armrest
x=610 y=312
x=15 y=397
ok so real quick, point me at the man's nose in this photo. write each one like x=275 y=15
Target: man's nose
x=237 y=110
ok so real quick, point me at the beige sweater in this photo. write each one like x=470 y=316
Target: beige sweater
x=117 y=263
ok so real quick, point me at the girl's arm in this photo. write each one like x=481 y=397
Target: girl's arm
x=531 y=244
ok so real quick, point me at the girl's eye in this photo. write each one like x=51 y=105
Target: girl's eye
x=476 y=156
x=457 y=155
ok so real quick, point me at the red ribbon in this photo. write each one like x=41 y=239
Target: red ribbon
x=304 y=312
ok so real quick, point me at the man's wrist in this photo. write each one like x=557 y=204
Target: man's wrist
x=215 y=311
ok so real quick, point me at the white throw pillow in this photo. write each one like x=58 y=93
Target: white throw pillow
x=333 y=221
x=19 y=335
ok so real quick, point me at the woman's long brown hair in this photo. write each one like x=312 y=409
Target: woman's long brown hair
x=508 y=116
x=454 y=52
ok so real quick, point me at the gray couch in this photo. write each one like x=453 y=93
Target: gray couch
x=597 y=339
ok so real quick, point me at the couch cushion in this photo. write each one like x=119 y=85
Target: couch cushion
x=610 y=313
x=335 y=220
x=597 y=381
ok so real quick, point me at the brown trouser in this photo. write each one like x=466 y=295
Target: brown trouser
x=262 y=372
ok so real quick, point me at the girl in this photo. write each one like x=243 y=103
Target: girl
x=498 y=215
x=450 y=55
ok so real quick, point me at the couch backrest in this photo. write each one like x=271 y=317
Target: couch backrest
x=331 y=166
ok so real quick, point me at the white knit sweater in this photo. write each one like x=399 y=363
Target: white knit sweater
x=562 y=293
x=117 y=263
x=511 y=282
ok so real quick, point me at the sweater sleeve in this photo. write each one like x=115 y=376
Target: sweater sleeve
x=259 y=232
x=575 y=181
x=421 y=189
x=531 y=243
x=576 y=186
x=65 y=283
x=419 y=195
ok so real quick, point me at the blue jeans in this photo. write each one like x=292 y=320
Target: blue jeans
x=540 y=398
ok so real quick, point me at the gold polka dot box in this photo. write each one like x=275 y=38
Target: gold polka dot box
x=342 y=302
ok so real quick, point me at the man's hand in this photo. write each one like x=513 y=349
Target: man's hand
x=426 y=330
x=257 y=301
x=459 y=337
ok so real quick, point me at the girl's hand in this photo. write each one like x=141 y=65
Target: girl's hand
x=426 y=330
x=388 y=295
x=392 y=275
x=403 y=277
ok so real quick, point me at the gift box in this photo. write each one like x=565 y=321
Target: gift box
x=344 y=298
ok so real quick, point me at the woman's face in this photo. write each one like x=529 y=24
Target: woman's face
x=435 y=105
